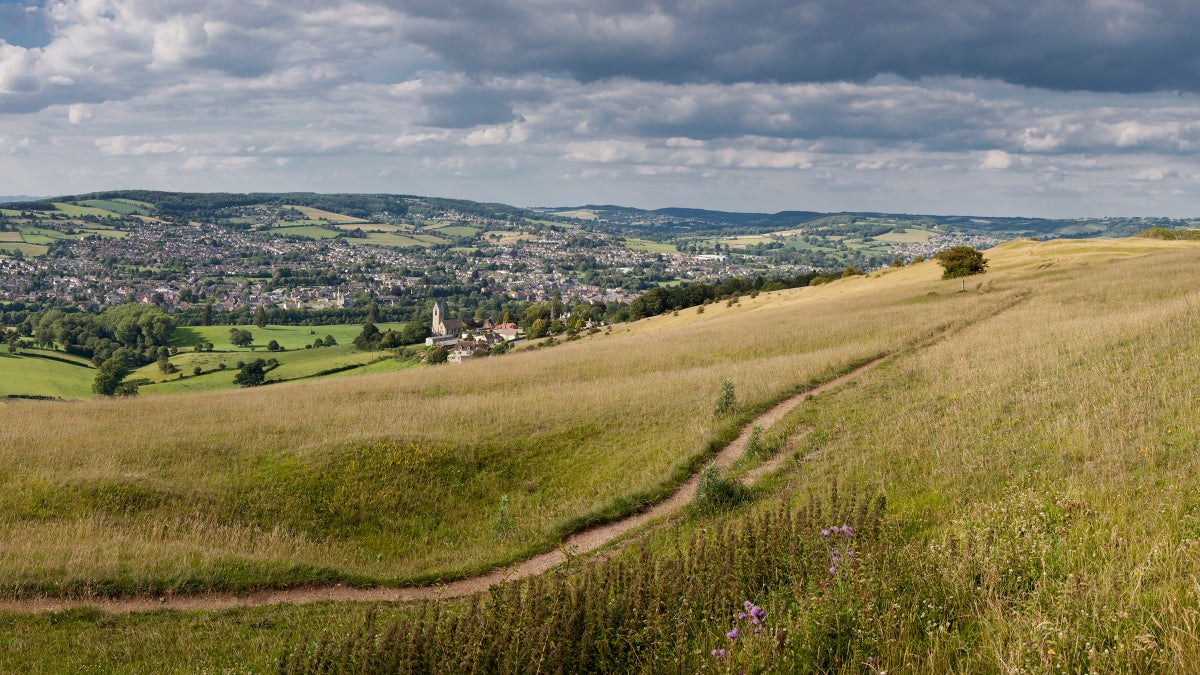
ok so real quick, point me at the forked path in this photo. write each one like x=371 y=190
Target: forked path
x=581 y=542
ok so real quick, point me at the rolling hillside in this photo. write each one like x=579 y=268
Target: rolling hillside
x=1034 y=439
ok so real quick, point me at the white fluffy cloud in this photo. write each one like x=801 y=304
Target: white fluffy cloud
x=391 y=96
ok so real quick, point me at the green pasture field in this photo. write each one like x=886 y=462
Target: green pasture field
x=27 y=250
x=294 y=364
x=9 y=213
x=456 y=231
x=10 y=236
x=389 y=239
x=134 y=202
x=75 y=211
x=912 y=235
x=374 y=227
x=307 y=231
x=506 y=237
x=288 y=336
x=123 y=208
x=650 y=246
x=26 y=375
x=318 y=214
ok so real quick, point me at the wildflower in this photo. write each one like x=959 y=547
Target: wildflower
x=759 y=612
x=758 y=630
x=719 y=653
x=825 y=532
x=733 y=634
x=833 y=570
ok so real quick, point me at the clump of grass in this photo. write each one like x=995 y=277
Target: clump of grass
x=715 y=492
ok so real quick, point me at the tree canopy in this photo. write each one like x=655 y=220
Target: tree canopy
x=960 y=261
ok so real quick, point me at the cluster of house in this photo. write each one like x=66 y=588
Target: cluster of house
x=466 y=342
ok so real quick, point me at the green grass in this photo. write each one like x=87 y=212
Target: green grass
x=27 y=250
x=124 y=208
x=75 y=211
x=291 y=337
x=1038 y=461
x=134 y=202
x=390 y=239
x=293 y=364
x=912 y=235
x=456 y=231
x=30 y=376
x=307 y=231
x=650 y=246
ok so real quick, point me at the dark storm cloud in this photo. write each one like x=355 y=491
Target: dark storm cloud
x=1093 y=45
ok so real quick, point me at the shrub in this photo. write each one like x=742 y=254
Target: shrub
x=718 y=493
x=727 y=399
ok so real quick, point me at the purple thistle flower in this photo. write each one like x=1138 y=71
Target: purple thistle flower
x=733 y=634
x=759 y=612
x=741 y=615
x=718 y=653
x=825 y=533
x=833 y=570
x=758 y=631
x=747 y=604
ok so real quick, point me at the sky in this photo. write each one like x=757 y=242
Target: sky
x=1052 y=108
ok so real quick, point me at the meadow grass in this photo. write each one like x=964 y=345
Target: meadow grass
x=1040 y=475
x=75 y=211
x=26 y=375
x=306 y=231
x=291 y=337
x=397 y=476
x=318 y=214
x=1034 y=439
x=650 y=246
x=123 y=208
x=456 y=231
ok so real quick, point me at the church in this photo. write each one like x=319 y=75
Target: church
x=443 y=326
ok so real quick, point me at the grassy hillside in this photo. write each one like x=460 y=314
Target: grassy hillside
x=27 y=374
x=1034 y=437
x=399 y=475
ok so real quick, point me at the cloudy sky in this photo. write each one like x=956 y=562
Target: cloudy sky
x=997 y=107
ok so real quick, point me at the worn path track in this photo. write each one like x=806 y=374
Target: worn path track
x=578 y=543
x=581 y=542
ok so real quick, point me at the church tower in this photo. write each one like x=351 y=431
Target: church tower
x=439 y=311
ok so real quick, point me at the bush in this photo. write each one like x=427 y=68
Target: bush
x=727 y=399
x=718 y=493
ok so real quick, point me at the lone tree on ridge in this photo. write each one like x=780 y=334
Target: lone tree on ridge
x=960 y=261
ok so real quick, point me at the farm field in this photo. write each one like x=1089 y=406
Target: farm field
x=318 y=214
x=25 y=375
x=1033 y=439
x=291 y=337
x=307 y=231
x=912 y=235
x=293 y=364
x=651 y=246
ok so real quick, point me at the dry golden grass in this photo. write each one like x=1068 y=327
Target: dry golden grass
x=300 y=474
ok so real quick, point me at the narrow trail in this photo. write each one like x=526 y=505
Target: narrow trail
x=581 y=542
